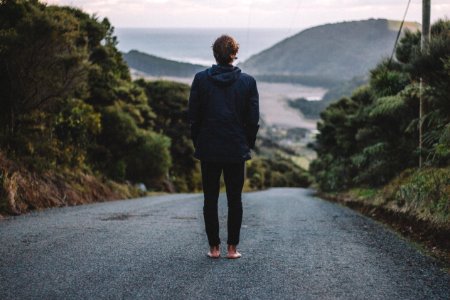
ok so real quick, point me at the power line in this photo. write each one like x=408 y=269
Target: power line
x=399 y=32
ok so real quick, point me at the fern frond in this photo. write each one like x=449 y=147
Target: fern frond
x=387 y=106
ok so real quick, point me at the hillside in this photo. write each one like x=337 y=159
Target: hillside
x=342 y=50
x=157 y=66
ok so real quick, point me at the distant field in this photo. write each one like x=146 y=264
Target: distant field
x=275 y=109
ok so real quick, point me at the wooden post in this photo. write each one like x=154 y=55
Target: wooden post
x=426 y=7
x=424 y=43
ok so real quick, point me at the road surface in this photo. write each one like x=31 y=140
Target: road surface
x=293 y=245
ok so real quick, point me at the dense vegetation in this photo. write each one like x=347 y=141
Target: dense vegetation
x=73 y=123
x=370 y=140
x=312 y=109
x=169 y=101
x=157 y=66
x=337 y=51
x=68 y=99
x=275 y=170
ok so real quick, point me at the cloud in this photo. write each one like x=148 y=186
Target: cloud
x=244 y=13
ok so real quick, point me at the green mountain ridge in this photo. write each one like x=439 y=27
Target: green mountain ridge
x=339 y=50
x=158 y=66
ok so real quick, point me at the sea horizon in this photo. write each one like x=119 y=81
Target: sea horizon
x=193 y=45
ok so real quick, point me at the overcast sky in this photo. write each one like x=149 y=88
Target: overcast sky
x=292 y=14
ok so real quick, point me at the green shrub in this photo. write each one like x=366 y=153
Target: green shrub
x=76 y=126
x=169 y=101
x=265 y=172
x=424 y=192
x=149 y=159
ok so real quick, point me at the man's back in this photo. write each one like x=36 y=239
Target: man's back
x=224 y=114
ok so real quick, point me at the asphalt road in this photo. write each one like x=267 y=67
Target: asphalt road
x=293 y=245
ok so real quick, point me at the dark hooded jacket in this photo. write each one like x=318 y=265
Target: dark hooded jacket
x=223 y=114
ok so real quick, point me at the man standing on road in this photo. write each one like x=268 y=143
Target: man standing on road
x=224 y=117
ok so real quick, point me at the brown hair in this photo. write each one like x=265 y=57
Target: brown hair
x=225 y=49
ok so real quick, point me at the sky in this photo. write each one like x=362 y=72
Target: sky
x=290 y=14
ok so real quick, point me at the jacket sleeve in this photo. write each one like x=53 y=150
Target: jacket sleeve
x=252 y=118
x=194 y=110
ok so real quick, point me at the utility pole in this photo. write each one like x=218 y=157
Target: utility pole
x=425 y=41
x=424 y=44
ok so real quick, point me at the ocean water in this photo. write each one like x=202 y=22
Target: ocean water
x=194 y=44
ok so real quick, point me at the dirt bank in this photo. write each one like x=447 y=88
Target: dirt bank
x=22 y=190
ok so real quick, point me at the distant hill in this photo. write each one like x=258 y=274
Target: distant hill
x=157 y=66
x=332 y=51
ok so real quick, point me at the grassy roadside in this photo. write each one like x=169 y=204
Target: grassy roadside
x=428 y=232
x=22 y=190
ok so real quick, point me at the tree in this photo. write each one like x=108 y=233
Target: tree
x=371 y=137
x=41 y=59
x=169 y=101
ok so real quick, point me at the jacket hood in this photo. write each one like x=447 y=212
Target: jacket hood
x=224 y=75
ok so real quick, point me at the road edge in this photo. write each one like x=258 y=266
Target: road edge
x=429 y=239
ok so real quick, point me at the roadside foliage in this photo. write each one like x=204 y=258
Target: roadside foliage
x=71 y=116
x=371 y=139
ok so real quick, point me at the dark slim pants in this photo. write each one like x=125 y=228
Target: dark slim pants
x=234 y=181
